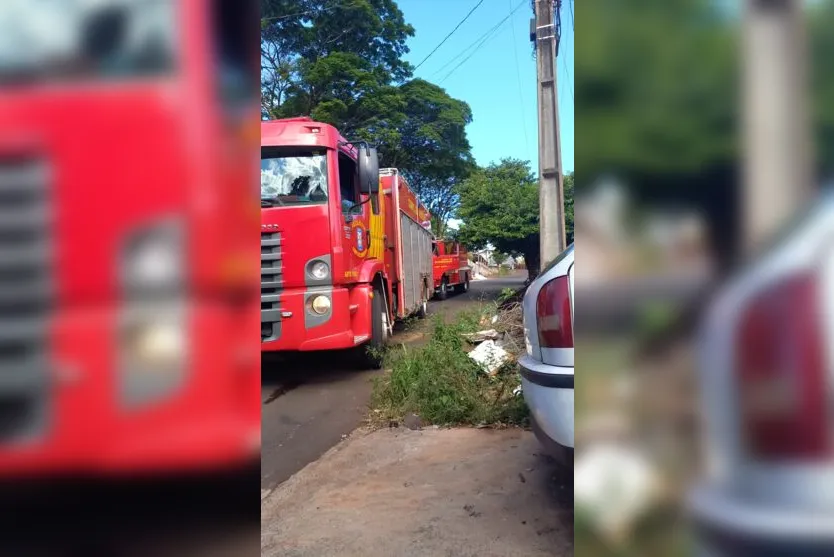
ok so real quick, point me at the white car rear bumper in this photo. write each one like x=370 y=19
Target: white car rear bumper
x=548 y=391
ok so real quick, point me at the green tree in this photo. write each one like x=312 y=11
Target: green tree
x=432 y=147
x=341 y=63
x=306 y=42
x=568 y=189
x=499 y=205
x=656 y=105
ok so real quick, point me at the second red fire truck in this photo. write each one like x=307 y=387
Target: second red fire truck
x=344 y=251
x=450 y=268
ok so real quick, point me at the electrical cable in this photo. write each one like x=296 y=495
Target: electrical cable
x=308 y=12
x=518 y=75
x=450 y=34
x=485 y=38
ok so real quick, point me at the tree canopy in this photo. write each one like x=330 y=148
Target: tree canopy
x=658 y=105
x=499 y=205
x=342 y=63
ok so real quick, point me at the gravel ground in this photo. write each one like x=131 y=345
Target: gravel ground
x=434 y=492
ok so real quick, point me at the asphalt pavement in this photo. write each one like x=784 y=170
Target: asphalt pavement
x=310 y=402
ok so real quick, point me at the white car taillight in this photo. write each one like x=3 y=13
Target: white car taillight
x=781 y=374
x=553 y=314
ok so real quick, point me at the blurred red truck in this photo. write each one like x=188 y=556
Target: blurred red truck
x=450 y=265
x=128 y=234
x=343 y=250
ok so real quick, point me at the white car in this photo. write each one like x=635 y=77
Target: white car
x=547 y=367
x=767 y=388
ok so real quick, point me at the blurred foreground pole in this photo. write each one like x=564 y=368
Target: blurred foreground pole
x=551 y=193
x=777 y=169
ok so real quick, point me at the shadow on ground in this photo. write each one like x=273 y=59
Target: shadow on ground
x=183 y=517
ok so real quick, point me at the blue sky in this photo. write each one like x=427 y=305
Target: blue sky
x=504 y=112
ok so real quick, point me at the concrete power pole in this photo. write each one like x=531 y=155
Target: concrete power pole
x=777 y=142
x=551 y=192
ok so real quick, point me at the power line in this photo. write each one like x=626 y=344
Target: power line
x=475 y=51
x=483 y=40
x=564 y=59
x=520 y=88
x=572 y=20
x=450 y=34
x=309 y=12
x=464 y=51
x=570 y=82
x=476 y=43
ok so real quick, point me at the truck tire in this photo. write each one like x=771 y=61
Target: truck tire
x=443 y=292
x=463 y=286
x=423 y=311
x=370 y=353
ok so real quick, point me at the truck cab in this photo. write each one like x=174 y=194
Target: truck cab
x=318 y=239
x=128 y=289
x=336 y=265
x=450 y=268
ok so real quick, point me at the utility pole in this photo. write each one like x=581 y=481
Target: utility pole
x=777 y=144
x=551 y=192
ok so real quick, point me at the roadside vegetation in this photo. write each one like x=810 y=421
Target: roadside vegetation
x=441 y=384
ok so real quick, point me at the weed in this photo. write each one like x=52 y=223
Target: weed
x=506 y=294
x=441 y=384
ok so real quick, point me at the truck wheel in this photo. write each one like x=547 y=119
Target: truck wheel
x=423 y=311
x=370 y=354
x=443 y=293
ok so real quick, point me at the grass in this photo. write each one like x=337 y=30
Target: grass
x=442 y=385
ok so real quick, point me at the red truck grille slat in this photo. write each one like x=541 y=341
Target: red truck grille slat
x=25 y=298
x=272 y=282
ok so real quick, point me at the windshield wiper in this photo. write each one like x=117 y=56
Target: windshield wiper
x=271 y=202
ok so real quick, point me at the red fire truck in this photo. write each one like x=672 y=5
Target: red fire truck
x=343 y=250
x=451 y=269
x=128 y=267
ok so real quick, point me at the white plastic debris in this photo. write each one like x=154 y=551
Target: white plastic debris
x=614 y=485
x=517 y=392
x=489 y=356
x=480 y=336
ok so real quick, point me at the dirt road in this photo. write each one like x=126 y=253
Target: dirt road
x=310 y=402
x=451 y=492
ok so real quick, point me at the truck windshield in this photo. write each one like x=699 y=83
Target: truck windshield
x=293 y=179
x=48 y=40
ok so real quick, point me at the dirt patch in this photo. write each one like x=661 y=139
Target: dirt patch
x=452 y=492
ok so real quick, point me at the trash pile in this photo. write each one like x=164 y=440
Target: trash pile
x=501 y=343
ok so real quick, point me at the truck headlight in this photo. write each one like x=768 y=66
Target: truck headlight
x=153 y=354
x=319 y=270
x=320 y=304
x=153 y=259
x=156 y=345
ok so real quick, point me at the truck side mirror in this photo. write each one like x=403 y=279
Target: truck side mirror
x=368 y=170
x=368 y=165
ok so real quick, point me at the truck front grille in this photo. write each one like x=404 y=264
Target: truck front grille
x=271 y=284
x=25 y=297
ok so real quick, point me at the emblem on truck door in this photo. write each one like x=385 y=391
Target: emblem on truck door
x=360 y=244
x=360 y=240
